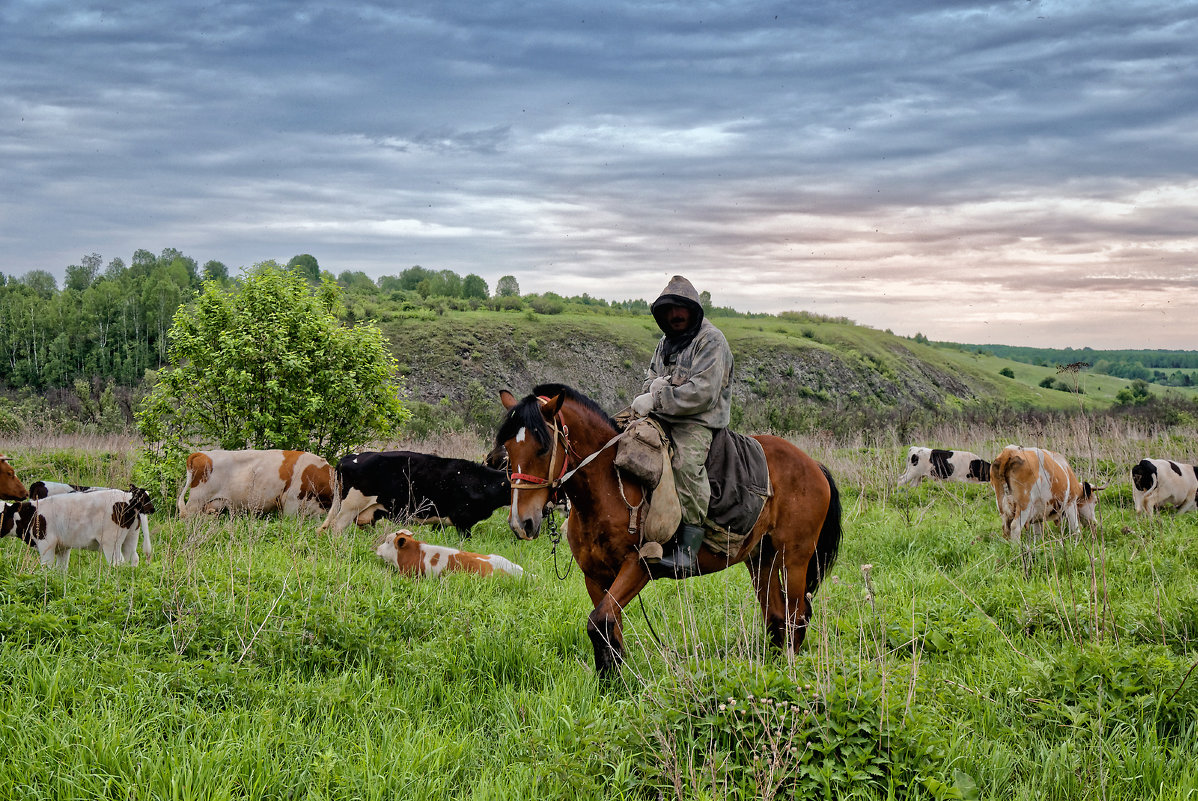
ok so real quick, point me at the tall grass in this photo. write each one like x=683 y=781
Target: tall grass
x=253 y=658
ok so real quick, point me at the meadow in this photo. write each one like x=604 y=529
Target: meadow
x=253 y=658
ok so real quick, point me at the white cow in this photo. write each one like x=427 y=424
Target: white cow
x=944 y=465
x=1157 y=483
x=104 y=520
x=44 y=489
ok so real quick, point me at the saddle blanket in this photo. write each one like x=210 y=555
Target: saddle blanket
x=740 y=483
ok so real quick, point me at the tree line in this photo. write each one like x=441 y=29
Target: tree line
x=1166 y=367
x=109 y=322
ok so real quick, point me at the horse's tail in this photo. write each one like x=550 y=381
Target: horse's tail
x=828 y=544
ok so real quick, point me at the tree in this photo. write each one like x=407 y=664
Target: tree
x=268 y=366
x=475 y=287
x=1007 y=371
x=705 y=300
x=215 y=271
x=80 y=276
x=305 y=264
x=507 y=287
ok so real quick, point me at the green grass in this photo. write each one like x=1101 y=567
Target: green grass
x=254 y=658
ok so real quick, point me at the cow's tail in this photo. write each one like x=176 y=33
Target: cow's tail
x=147 y=548
x=828 y=544
x=181 y=503
x=335 y=505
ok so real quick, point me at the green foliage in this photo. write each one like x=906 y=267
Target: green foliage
x=1007 y=371
x=1134 y=395
x=507 y=287
x=759 y=731
x=268 y=366
x=1048 y=382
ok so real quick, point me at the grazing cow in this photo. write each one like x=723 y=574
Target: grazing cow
x=44 y=489
x=104 y=520
x=415 y=486
x=415 y=558
x=290 y=482
x=1159 y=482
x=1033 y=485
x=11 y=488
x=945 y=465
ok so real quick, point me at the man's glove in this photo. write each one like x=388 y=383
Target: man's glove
x=642 y=404
x=657 y=384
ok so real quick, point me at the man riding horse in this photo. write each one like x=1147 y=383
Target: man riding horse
x=689 y=390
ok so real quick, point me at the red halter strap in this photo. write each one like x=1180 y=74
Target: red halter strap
x=559 y=429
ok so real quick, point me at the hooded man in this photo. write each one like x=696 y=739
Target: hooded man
x=688 y=389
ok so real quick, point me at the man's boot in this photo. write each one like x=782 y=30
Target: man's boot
x=682 y=561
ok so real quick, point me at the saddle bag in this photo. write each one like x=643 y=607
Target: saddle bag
x=643 y=451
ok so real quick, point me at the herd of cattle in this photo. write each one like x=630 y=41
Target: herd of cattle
x=56 y=518
x=1032 y=486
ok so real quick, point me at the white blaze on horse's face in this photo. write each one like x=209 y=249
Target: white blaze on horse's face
x=524 y=516
x=520 y=434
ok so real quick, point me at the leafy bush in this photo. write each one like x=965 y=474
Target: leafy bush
x=269 y=366
x=1007 y=371
x=758 y=731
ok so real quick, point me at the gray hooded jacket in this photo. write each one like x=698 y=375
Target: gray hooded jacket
x=698 y=364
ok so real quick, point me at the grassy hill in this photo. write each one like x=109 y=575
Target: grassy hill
x=793 y=372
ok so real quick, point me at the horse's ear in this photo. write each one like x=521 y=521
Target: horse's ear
x=552 y=406
x=507 y=399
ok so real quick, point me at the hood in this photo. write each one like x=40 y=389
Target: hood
x=679 y=292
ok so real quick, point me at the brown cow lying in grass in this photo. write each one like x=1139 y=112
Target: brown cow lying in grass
x=415 y=558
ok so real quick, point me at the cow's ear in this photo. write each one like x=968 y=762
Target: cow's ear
x=507 y=399
x=401 y=540
x=552 y=406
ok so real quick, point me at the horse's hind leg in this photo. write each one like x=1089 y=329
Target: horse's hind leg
x=764 y=572
x=798 y=606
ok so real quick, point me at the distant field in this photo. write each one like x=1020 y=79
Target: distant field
x=252 y=658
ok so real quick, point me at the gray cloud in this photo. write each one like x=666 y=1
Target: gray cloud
x=941 y=167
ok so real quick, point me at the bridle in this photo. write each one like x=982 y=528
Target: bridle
x=561 y=434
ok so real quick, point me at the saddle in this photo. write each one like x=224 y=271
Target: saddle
x=736 y=470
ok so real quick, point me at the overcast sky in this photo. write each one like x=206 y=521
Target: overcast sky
x=1020 y=172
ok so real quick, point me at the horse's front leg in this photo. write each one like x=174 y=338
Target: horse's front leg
x=605 y=623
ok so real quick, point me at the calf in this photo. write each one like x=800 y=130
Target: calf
x=103 y=520
x=1159 y=482
x=44 y=489
x=1033 y=485
x=417 y=487
x=945 y=465
x=290 y=482
x=11 y=488
x=415 y=558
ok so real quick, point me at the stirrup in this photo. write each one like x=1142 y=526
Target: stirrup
x=682 y=561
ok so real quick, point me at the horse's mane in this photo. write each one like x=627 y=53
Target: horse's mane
x=527 y=413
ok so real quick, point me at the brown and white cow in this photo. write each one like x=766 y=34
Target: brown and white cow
x=415 y=558
x=1034 y=485
x=104 y=521
x=11 y=488
x=1157 y=483
x=257 y=481
x=944 y=465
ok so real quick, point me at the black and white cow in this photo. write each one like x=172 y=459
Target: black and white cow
x=416 y=487
x=1158 y=483
x=944 y=465
x=104 y=520
x=44 y=489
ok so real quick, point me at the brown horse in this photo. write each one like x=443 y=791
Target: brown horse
x=788 y=552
